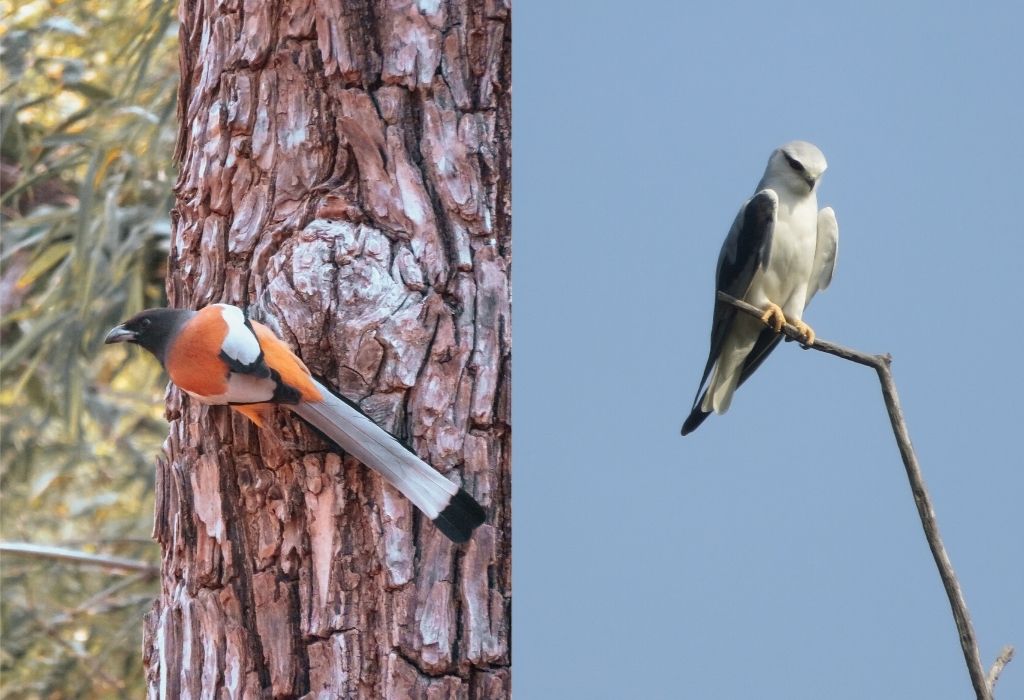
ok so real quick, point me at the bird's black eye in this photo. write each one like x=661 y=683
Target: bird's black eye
x=794 y=163
x=145 y=323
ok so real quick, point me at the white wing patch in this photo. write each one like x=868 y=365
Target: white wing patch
x=240 y=344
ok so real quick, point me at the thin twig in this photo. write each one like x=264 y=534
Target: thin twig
x=881 y=364
x=1000 y=663
x=77 y=557
x=861 y=358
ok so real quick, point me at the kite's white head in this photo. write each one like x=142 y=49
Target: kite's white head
x=796 y=166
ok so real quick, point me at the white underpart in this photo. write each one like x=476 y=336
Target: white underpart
x=786 y=278
x=240 y=343
x=428 y=489
x=790 y=279
x=242 y=388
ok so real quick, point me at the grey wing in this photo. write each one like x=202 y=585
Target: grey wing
x=747 y=248
x=825 y=252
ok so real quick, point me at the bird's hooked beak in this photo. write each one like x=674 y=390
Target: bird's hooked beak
x=119 y=334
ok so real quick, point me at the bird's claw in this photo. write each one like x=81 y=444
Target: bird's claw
x=805 y=330
x=773 y=317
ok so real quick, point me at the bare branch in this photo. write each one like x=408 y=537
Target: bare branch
x=71 y=555
x=881 y=364
x=1000 y=663
x=861 y=358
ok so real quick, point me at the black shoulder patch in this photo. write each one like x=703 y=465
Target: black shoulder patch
x=756 y=236
x=752 y=235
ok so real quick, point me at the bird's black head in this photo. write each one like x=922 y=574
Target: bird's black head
x=151 y=329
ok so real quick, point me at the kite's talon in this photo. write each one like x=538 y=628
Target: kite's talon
x=805 y=330
x=773 y=317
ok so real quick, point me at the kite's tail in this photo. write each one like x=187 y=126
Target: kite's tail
x=724 y=379
x=694 y=420
x=723 y=382
x=715 y=399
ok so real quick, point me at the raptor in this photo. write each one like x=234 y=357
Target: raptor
x=779 y=253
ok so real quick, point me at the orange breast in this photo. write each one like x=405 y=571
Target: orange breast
x=193 y=360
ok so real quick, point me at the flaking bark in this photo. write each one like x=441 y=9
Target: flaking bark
x=344 y=174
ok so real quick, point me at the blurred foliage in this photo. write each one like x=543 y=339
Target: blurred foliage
x=87 y=118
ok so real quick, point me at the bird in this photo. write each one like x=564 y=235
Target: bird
x=779 y=253
x=218 y=356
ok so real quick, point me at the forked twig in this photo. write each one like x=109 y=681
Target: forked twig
x=881 y=364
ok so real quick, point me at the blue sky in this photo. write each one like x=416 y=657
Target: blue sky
x=776 y=552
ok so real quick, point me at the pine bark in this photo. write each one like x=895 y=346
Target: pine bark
x=344 y=173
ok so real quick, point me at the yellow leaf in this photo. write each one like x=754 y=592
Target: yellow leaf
x=44 y=262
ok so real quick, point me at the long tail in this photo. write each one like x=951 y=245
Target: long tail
x=703 y=406
x=453 y=511
x=696 y=417
x=718 y=395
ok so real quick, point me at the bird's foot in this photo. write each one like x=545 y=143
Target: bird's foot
x=773 y=317
x=805 y=330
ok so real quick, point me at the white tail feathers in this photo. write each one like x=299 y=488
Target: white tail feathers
x=720 y=390
x=729 y=366
x=453 y=510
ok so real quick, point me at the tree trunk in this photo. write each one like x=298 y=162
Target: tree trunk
x=345 y=173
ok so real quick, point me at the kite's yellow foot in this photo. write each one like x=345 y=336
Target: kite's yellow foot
x=774 y=317
x=806 y=330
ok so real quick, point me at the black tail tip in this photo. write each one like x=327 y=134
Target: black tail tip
x=693 y=422
x=460 y=517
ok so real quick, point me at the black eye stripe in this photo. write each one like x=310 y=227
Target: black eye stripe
x=794 y=163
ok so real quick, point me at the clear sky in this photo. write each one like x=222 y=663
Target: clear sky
x=776 y=552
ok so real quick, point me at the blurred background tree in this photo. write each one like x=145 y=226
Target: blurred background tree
x=88 y=90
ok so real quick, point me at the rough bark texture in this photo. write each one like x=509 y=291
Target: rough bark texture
x=345 y=174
